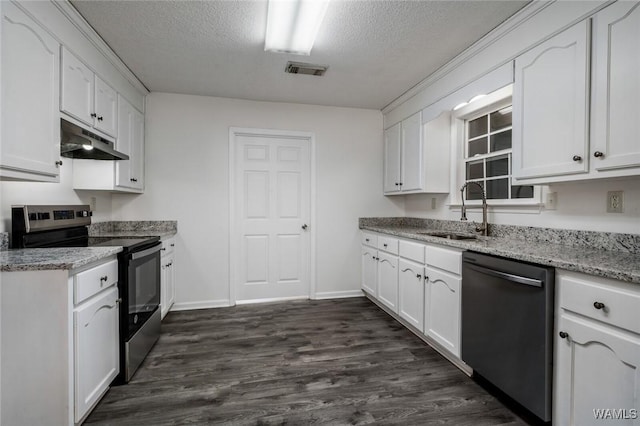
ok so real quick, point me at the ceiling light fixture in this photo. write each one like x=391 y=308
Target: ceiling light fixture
x=292 y=25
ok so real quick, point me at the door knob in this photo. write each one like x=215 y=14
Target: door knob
x=304 y=226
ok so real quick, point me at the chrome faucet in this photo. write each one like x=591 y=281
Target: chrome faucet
x=485 y=226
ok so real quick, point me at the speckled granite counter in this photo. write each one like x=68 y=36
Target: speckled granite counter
x=41 y=259
x=620 y=265
x=146 y=228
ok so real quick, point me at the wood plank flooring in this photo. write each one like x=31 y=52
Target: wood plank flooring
x=332 y=362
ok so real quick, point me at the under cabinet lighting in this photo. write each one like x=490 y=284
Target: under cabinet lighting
x=87 y=147
x=292 y=25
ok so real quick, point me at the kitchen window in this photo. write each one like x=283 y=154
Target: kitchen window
x=484 y=135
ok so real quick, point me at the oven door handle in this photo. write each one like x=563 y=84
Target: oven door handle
x=510 y=277
x=146 y=252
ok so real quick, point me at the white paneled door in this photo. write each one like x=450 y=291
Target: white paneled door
x=272 y=206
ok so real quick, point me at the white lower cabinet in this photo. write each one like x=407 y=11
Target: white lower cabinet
x=388 y=280
x=411 y=292
x=597 y=352
x=420 y=283
x=442 y=308
x=59 y=342
x=167 y=276
x=369 y=270
x=96 y=349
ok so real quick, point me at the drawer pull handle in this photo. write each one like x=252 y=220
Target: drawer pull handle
x=598 y=305
x=563 y=334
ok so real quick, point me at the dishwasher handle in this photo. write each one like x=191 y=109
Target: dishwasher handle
x=510 y=277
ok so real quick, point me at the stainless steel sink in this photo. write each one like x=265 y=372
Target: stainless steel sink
x=449 y=235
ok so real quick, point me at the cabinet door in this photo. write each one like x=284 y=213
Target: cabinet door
x=137 y=151
x=412 y=165
x=392 y=145
x=442 y=309
x=369 y=270
x=550 y=106
x=388 y=280
x=411 y=293
x=164 y=294
x=106 y=107
x=124 y=142
x=616 y=87
x=76 y=97
x=597 y=368
x=30 y=146
x=171 y=283
x=97 y=358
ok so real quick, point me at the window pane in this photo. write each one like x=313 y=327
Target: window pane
x=498 y=189
x=522 y=191
x=501 y=119
x=475 y=170
x=474 y=192
x=478 y=146
x=478 y=127
x=498 y=166
x=501 y=141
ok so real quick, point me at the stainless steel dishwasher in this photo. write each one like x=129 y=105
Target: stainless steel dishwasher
x=507 y=327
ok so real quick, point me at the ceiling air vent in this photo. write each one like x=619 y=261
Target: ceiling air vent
x=302 y=68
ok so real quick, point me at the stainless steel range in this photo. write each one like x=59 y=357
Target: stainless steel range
x=138 y=271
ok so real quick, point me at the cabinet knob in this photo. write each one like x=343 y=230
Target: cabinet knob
x=173 y=245
x=119 y=300
x=563 y=334
x=94 y=115
x=598 y=154
x=426 y=278
x=133 y=180
x=577 y=158
x=100 y=118
x=385 y=245
x=418 y=276
x=58 y=163
x=397 y=184
x=163 y=249
x=598 y=305
x=366 y=239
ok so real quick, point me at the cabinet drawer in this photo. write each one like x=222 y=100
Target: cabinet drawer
x=369 y=239
x=168 y=246
x=444 y=258
x=92 y=281
x=608 y=304
x=390 y=245
x=412 y=251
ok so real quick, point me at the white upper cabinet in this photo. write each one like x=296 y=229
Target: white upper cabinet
x=392 y=142
x=550 y=108
x=76 y=96
x=615 y=141
x=106 y=101
x=576 y=114
x=412 y=166
x=30 y=148
x=86 y=97
x=417 y=156
x=130 y=141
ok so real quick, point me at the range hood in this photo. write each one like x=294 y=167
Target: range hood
x=76 y=142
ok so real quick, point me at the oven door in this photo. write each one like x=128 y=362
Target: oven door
x=143 y=286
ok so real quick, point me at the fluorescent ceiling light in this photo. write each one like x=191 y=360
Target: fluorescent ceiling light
x=292 y=25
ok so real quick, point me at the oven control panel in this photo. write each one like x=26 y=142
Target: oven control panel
x=31 y=218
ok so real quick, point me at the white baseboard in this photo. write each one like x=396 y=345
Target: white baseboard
x=205 y=304
x=273 y=299
x=338 y=294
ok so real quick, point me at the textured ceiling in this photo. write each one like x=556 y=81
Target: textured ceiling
x=375 y=49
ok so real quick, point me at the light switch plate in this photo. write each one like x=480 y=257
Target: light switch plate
x=615 y=202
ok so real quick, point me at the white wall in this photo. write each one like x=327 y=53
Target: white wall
x=12 y=193
x=187 y=180
x=580 y=206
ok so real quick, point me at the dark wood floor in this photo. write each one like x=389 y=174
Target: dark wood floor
x=333 y=362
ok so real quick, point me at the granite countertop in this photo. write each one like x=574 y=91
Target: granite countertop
x=604 y=263
x=42 y=259
x=144 y=233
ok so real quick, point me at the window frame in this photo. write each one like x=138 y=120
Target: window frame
x=494 y=101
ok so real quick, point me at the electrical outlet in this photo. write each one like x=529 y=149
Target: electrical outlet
x=551 y=201
x=615 y=202
x=92 y=203
x=433 y=203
